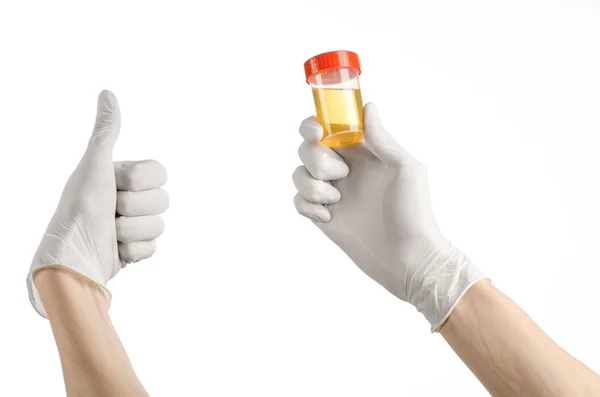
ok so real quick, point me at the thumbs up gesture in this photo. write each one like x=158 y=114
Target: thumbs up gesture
x=108 y=214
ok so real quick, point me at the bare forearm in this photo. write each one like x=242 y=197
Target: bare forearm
x=509 y=353
x=93 y=358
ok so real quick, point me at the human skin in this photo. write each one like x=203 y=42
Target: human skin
x=507 y=351
x=372 y=200
x=108 y=217
x=94 y=361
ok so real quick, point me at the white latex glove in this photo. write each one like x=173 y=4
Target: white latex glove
x=376 y=208
x=84 y=235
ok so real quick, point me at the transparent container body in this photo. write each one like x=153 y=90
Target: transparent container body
x=339 y=106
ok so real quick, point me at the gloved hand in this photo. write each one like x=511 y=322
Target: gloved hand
x=372 y=200
x=84 y=235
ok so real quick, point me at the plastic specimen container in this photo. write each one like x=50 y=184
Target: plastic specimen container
x=333 y=77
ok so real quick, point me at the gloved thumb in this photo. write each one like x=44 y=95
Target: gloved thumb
x=380 y=142
x=108 y=123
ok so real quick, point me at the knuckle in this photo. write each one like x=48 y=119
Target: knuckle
x=420 y=169
x=304 y=212
x=300 y=152
x=415 y=170
x=299 y=208
x=318 y=191
x=319 y=174
x=298 y=200
x=297 y=172
x=314 y=196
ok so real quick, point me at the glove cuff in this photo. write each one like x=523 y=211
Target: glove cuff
x=442 y=279
x=34 y=296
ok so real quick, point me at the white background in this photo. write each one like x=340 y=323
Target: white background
x=500 y=100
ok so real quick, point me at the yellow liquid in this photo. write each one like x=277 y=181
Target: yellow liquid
x=340 y=112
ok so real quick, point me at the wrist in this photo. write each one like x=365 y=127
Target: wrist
x=468 y=308
x=60 y=279
x=442 y=279
x=87 y=341
x=65 y=293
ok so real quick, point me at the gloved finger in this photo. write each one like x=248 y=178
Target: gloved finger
x=108 y=123
x=311 y=130
x=139 y=228
x=147 y=202
x=136 y=176
x=314 y=190
x=316 y=212
x=381 y=143
x=355 y=154
x=322 y=162
x=136 y=251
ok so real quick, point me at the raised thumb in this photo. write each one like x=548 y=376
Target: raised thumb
x=108 y=122
x=380 y=142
